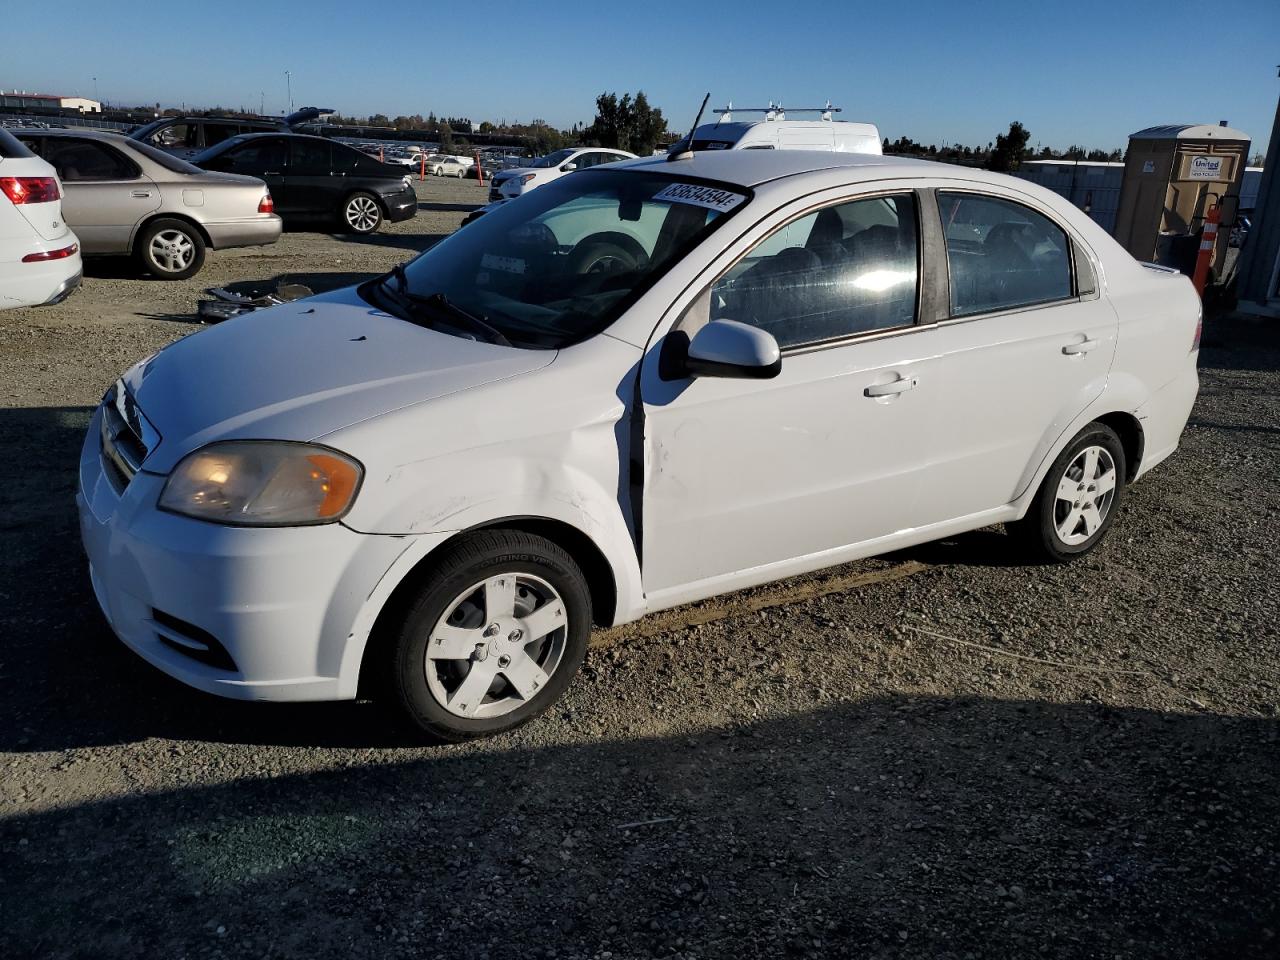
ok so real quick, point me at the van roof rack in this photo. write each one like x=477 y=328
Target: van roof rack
x=775 y=111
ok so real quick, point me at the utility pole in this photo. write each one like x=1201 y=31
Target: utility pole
x=262 y=102
x=288 y=78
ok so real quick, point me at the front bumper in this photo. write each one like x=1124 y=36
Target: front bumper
x=250 y=232
x=287 y=609
x=402 y=205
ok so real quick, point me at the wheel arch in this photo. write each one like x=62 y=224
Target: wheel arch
x=1129 y=429
x=376 y=197
x=151 y=218
x=601 y=579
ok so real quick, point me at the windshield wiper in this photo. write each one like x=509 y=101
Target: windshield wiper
x=410 y=302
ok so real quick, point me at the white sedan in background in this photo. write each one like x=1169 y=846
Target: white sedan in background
x=445 y=166
x=39 y=255
x=639 y=387
x=509 y=184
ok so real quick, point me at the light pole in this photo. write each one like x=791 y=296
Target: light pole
x=95 y=90
x=288 y=79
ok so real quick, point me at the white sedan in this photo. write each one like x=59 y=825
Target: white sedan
x=639 y=387
x=445 y=166
x=512 y=183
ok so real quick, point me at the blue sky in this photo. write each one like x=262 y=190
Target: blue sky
x=1071 y=71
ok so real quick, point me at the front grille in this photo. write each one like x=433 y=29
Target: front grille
x=126 y=437
x=188 y=639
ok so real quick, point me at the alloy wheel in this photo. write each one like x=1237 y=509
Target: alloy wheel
x=496 y=646
x=362 y=214
x=172 y=251
x=1084 y=495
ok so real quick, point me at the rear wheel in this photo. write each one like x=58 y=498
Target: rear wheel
x=1078 y=499
x=171 y=249
x=492 y=639
x=361 y=213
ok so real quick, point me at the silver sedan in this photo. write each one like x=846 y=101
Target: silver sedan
x=125 y=198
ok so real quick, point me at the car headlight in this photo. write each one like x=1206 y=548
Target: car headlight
x=263 y=483
x=526 y=177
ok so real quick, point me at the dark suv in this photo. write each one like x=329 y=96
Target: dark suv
x=186 y=136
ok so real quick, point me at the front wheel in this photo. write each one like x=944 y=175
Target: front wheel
x=171 y=249
x=1078 y=499
x=496 y=633
x=361 y=213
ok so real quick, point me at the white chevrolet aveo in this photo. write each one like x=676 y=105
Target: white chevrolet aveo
x=634 y=388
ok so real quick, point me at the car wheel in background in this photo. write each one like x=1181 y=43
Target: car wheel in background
x=171 y=249
x=361 y=213
x=492 y=638
x=1078 y=500
x=607 y=252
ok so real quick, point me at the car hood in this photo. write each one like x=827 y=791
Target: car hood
x=302 y=370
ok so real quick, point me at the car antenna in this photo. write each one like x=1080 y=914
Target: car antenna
x=686 y=153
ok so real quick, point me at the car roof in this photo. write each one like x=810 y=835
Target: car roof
x=110 y=136
x=750 y=168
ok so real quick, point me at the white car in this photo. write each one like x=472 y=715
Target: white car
x=39 y=255
x=638 y=387
x=509 y=184
x=446 y=166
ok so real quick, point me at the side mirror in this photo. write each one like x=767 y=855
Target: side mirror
x=727 y=348
x=569 y=167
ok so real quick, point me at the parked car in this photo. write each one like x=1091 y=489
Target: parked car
x=313 y=179
x=126 y=198
x=753 y=363
x=39 y=255
x=445 y=166
x=187 y=136
x=509 y=184
x=765 y=134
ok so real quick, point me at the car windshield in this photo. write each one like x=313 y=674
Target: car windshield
x=553 y=159
x=565 y=261
x=166 y=160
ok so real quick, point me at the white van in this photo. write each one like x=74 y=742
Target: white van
x=776 y=132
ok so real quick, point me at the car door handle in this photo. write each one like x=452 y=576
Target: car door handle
x=141 y=194
x=901 y=385
x=271 y=173
x=1082 y=346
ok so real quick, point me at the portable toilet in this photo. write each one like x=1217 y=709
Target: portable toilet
x=1172 y=175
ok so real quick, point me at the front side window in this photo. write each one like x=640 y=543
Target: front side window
x=837 y=272
x=84 y=161
x=1001 y=254
x=570 y=257
x=175 y=135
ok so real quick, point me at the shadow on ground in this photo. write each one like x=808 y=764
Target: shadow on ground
x=865 y=829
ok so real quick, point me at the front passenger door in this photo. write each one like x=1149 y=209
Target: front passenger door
x=782 y=474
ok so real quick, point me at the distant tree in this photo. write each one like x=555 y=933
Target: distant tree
x=626 y=124
x=1009 y=148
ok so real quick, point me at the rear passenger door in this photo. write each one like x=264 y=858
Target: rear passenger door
x=107 y=195
x=1024 y=347
x=310 y=185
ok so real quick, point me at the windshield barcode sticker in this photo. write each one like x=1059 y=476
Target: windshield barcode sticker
x=505 y=264
x=710 y=197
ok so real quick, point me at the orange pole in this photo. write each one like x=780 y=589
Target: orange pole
x=479 y=169
x=381 y=158
x=422 y=173
x=1208 y=240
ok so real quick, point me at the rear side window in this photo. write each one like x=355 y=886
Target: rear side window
x=86 y=161
x=1001 y=254
x=11 y=146
x=840 y=271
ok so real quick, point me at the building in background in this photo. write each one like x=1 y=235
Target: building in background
x=21 y=98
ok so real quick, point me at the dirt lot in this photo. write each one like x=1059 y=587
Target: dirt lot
x=935 y=754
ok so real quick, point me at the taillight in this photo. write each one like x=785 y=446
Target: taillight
x=30 y=189
x=51 y=254
x=266 y=204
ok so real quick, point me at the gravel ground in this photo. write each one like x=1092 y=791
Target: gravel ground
x=934 y=754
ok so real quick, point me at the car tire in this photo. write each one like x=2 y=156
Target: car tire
x=608 y=252
x=452 y=613
x=361 y=213
x=1078 y=499
x=170 y=249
